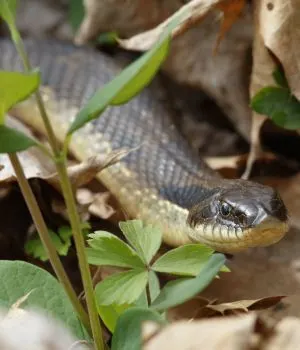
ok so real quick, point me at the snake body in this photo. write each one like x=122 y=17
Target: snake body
x=162 y=181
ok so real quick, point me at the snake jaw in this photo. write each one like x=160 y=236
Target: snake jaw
x=231 y=239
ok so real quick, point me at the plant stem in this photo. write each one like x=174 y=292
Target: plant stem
x=45 y=238
x=42 y=229
x=71 y=208
x=27 y=67
x=80 y=248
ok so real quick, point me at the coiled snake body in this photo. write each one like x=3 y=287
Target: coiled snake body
x=162 y=181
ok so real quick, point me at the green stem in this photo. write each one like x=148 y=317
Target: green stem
x=71 y=208
x=80 y=248
x=27 y=67
x=45 y=238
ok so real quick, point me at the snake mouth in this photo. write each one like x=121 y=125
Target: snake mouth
x=230 y=239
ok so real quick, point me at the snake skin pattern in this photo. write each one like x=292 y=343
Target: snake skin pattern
x=162 y=178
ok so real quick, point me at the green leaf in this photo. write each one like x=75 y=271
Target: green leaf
x=121 y=288
x=62 y=241
x=154 y=286
x=278 y=104
x=187 y=260
x=128 y=330
x=110 y=313
x=145 y=240
x=76 y=13
x=107 y=249
x=16 y=87
x=128 y=83
x=36 y=248
x=18 y=278
x=179 y=291
x=280 y=78
x=142 y=300
x=8 y=9
x=108 y=38
x=65 y=233
x=225 y=269
x=12 y=140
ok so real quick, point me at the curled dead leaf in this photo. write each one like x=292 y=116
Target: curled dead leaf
x=83 y=173
x=244 y=305
x=199 y=308
x=262 y=69
x=189 y=14
x=280 y=31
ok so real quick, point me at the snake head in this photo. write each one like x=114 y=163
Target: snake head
x=240 y=215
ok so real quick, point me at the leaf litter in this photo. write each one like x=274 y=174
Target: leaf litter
x=262 y=75
x=257 y=121
x=37 y=165
x=233 y=333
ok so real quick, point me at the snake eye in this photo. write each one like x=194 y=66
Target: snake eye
x=225 y=209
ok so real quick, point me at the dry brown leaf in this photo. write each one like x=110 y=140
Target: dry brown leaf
x=129 y=17
x=83 y=173
x=244 y=305
x=231 y=167
x=190 y=14
x=231 y=333
x=223 y=77
x=96 y=203
x=200 y=307
x=262 y=69
x=280 y=30
x=286 y=335
x=38 y=166
x=218 y=163
x=100 y=207
x=188 y=310
x=231 y=10
x=277 y=28
x=35 y=163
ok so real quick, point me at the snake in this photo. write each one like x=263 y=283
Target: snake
x=162 y=181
